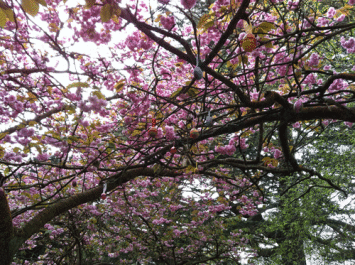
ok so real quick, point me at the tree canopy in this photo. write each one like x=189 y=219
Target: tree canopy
x=192 y=132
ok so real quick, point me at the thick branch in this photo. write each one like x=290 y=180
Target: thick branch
x=34 y=225
x=241 y=14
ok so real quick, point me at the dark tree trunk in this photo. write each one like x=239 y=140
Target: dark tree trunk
x=6 y=232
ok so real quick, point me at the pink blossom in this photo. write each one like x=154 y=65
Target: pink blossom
x=18 y=106
x=42 y=157
x=168 y=22
x=277 y=153
x=254 y=96
x=85 y=123
x=240 y=24
x=169 y=133
x=349 y=45
x=341 y=18
x=314 y=59
x=310 y=80
x=352 y=2
x=296 y=125
x=177 y=232
x=243 y=144
x=322 y=21
x=336 y=85
x=10 y=99
x=188 y=4
x=181 y=124
x=230 y=149
x=298 y=106
x=24 y=132
x=331 y=12
x=349 y=124
x=292 y=4
x=174 y=208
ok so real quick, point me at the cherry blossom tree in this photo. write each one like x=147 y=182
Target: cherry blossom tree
x=152 y=149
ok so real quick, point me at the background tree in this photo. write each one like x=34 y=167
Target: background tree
x=178 y=132
x=308 y=219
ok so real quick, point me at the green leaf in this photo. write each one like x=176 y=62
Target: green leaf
x=31 y=7
x=111 y=146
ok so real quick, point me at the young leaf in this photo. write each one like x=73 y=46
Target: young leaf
x=266 y=26
x=158 y=18
x=3 y=5
x=2 y=18
x=193 y=92
x=106 y=13
x=2 y=151
x=89 y=3
x=117 y=12
x=31 y=7
x=176 y=93
x=119 y=86
x=98 y=94
x=203 y=20
x=247 y=27
x=268 y=43
x=42 y=2
x=78 y=84
x=10 y=14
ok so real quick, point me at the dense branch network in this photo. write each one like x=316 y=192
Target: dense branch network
x=199 y=98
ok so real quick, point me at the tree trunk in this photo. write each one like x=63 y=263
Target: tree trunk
x=295 y=253
x=6 y=231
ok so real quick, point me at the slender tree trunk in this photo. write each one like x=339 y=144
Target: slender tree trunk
x=295 y=253
x=291 y=242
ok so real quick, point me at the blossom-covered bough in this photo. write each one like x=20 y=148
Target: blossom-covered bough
x=162 y=146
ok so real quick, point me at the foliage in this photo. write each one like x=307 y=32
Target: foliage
x=204 y=133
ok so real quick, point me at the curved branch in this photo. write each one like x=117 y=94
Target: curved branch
x=35 y=224
x=147 y=30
